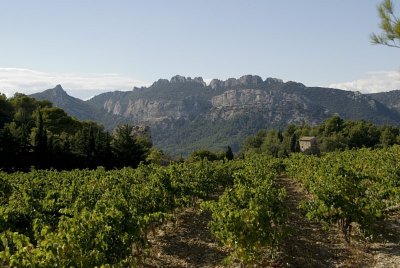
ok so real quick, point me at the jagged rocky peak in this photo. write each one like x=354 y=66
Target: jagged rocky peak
x=58 y=88
x=199 y=80
x=216 y=84
x=182 y=79
x=272 y=81
x=58 y=91
x=250 y=80
x=178 y=79
x=245 y=80
x=231 y=82
x=160 y=82
x=295 y=84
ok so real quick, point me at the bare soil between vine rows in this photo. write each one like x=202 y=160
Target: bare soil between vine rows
x=188 y=242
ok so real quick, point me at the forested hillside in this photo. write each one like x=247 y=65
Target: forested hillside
x=185 y=114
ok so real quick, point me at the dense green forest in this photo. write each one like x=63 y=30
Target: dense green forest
x=34 y=133
x=334 y=134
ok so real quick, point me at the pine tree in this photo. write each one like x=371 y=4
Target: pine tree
x=229 y=154
x=40 y=141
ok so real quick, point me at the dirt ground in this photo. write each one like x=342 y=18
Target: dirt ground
x=186 y=243
x=189 y=243
x=386 y=252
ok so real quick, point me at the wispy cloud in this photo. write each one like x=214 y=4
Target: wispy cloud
x=373 y=82
x=76 y=84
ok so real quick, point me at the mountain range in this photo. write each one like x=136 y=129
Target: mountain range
x=185 y=114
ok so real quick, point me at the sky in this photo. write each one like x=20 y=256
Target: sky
x=92 y=46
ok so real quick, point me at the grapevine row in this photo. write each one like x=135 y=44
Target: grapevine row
x=85 y=218
x=249 y=217
x=350 y=188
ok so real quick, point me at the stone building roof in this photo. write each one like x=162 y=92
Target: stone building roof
x=307 y=138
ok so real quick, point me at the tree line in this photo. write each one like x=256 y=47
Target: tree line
x=33 y=133
x=332 y=135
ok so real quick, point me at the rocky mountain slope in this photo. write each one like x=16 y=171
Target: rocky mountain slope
x=73 y=106
x=391 y=99
x=186 y=114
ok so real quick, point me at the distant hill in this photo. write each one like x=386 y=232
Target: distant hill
x=391 y=99
x=73 y=106
x=185 y=114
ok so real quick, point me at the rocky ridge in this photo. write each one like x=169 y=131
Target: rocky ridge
x=185 y=113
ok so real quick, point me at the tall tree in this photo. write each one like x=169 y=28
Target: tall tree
x=333 y=125
x=390 y=26
x=6 y=110
x=9 y=149
x=39 y=140
x=128 y=152
x=228 y=153
x=294 y=143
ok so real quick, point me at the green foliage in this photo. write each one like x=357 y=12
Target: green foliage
x=249 y=217
x=390 y=26
x=357 y=186
x=57 y=121
x=6 y=110
x=229 y=154
x=126 y=147
x=88 y=218
x=155 y=156
x=204 y=154
x=333 y=125
x=33 y=133
x=334 y=134
x=389 y=136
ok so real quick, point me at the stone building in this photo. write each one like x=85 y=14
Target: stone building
x=307 y=142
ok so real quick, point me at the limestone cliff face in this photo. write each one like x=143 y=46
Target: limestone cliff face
x=184 y=98
x=248 y=81
x=241 y=97
x=221 y=100
x=108 y=105
x=175 y=99
x=155 y=111
x=274 y=105
x=224 y=106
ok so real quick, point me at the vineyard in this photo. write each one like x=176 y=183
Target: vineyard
x=88 y=218
x=350 y=187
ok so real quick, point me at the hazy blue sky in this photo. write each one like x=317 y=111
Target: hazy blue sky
x=117 y=44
